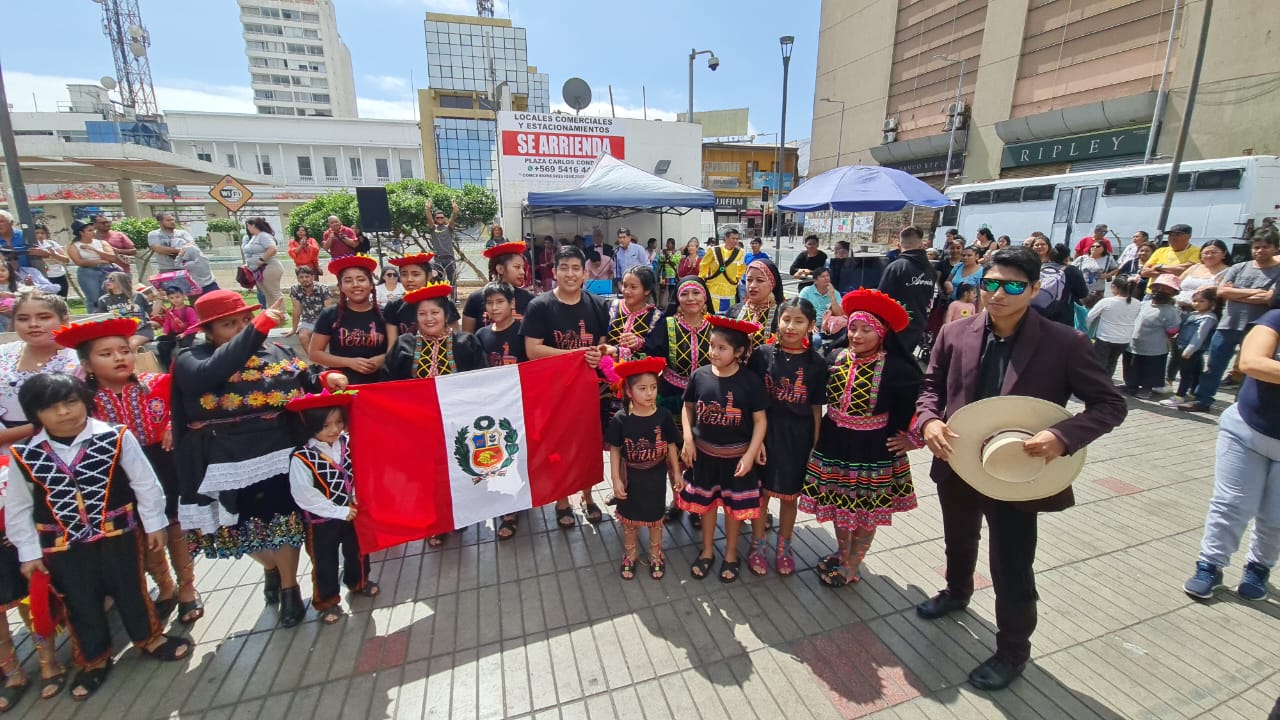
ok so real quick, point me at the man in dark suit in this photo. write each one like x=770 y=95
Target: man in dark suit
x=1006 y=350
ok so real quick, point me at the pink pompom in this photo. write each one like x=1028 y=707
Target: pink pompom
x=606 y=369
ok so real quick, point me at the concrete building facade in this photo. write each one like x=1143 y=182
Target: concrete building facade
x=298 y=64
x=475 y=66
x=1048 y=86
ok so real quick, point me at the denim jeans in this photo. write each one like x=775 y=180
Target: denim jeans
x=1246 y=487
x=90 y=280
x=1221 y=348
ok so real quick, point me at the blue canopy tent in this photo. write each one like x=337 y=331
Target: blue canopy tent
x=862 y=188
x=615 y=189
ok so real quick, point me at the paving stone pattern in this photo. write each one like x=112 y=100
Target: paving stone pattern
x=543 y=627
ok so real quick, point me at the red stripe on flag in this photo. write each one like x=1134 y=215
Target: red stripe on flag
x=562 y=420
x=399 y=464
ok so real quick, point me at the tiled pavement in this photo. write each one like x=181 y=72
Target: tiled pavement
x=542 y=626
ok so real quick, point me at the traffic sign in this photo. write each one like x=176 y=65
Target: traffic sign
x=231 y=193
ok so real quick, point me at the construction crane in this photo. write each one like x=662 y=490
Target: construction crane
x=122 y=24
x=484 y=8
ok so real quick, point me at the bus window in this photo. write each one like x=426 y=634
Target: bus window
x=1123 y=186
x=950 y=214
x=1088 y=199
x=1037 y=192
x=1157 y=183
x=1062 y=213
x=982 y=197
x=1008 y=195
x=1219 y=179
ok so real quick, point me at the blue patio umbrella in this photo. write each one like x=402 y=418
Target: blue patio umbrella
x=862 y=188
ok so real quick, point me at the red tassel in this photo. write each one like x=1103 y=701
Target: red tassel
x=42 y=620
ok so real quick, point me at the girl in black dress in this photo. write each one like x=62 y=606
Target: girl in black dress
x=351 y=337
x=795 y=377
x=642 y=444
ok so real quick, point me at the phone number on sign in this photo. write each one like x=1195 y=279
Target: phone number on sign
x=553 y=169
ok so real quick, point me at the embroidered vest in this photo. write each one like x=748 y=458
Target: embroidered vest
x=687 y=350
x=82 y=501
x=332 y=480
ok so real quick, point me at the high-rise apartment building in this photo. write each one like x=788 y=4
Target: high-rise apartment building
x=472 y=62
x=297 y=60
x=1039 y=87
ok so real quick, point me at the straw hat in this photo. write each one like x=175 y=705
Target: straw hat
x=989 y=456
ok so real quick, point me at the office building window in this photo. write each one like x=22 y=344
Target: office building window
x=304 y=167
x=207 y=157
x=231 y=160
x=330 y=168
x=406 y=169
x=356 y=170
x=383 y=168
x=264 y=164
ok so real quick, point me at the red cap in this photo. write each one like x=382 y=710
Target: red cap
x=221 y=303
x=514 y=247
x=641 y=366
x=423 y=259
x=431 y=290
x=742 y=326
x=877 y=303
x=77 y=334
x=349 y=261
x=321 y=400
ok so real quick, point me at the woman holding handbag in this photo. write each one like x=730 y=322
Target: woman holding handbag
x=260 y=249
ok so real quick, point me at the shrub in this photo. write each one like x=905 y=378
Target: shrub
x=136 y=228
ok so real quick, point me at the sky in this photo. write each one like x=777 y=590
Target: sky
x=640 y=48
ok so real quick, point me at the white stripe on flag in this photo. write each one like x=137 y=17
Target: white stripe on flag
x=483 y=418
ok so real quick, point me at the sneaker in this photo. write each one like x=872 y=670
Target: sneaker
x=1208 y=578
x=1144 y=395
x=1172 y=402
x=1192 y=406
x=1160 y=390
x=1253 y=584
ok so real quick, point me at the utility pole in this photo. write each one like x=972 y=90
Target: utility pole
x=17 y=191
x=1185 y=130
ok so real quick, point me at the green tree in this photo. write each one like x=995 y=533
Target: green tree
x=407 y=201
x=314 y=214
x=136 y=228
x=226 y=226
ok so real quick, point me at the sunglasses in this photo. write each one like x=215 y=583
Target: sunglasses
x=1011 y=287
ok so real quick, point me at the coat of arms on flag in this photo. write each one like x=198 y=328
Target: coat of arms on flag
x=486 y=447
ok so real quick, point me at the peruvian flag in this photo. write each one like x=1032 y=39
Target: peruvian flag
x=433 y=455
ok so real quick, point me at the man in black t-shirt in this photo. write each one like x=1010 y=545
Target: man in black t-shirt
x=562 y=321
x=501 y=339
x=912 y=281
x=805 y=263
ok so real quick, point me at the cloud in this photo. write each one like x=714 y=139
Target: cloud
x=601 y=108
x=389 y=84
x=29 y=92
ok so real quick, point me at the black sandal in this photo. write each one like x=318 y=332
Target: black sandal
x=164 y=608
x=185 y=610
x=592 y=510
x=701 y=568
x=566 y=513
x=628 y=569
x=369 y=590
x=835 y=579
x=57 y=683
x=695 y=521
x=436 y=541
x=673 y=513
x=11 y=694
x=330 y=616
x=657 y=567
x=89 y=681
x=167 y=651
x=825 y=564
x=729 y=571
x=509 y=524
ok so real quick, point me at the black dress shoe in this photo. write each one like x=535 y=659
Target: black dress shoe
x=995 y=674
x=292 y=608
x=271 y=587
x=941 y=604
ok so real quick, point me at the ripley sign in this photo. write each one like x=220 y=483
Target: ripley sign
x=555 y=148
x=1113 y=143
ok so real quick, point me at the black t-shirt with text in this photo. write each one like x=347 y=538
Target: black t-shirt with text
x=643 y=439
x=723 y=406
x=505 y=347
x=566 y=327
x=356 y=335
x=795 y=382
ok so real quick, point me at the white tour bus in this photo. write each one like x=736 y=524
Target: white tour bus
x=1220 y=199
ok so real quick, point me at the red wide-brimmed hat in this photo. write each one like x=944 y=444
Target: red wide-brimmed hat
x=342 y=398
x=513 y=247
x=423 y=259
x=349 y=261
x=640 y=366
x=743 y=326
x=77 y=334
x=218 y=304
x=877 y=303
x=430 y=290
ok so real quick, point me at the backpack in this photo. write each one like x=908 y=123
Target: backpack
x=1052 y=299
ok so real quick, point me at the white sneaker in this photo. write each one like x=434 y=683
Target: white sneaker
x=1172 y=402
x=1160 y=390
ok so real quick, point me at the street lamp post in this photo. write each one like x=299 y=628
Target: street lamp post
x=786 y=42
x=713 y=62
x=955 y=117
x=831 y=217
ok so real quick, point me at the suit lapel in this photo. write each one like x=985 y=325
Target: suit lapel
x=1020 y=361
x=970 y=352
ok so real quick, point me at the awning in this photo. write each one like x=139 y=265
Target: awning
x=50 y=161
x=615 y=189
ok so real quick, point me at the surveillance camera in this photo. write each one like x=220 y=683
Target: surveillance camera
x=713 y=62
